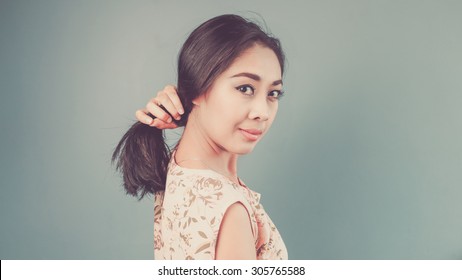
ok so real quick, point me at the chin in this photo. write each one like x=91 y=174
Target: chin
x=243 y=150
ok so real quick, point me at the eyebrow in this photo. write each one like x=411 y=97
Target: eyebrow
x=255 y=77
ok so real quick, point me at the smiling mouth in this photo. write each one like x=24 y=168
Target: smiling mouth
x=251 y=134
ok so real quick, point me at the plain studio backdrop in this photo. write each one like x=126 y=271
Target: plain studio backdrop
x=364 y=160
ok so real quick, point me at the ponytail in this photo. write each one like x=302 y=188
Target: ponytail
x=142 y=157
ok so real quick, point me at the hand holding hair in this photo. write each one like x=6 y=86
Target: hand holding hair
x=163 y=110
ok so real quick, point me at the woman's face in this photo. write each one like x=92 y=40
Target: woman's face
x=242 y=103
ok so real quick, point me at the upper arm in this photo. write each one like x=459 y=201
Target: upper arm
x=235 y=238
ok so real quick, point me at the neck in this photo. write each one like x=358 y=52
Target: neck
x=196 y=150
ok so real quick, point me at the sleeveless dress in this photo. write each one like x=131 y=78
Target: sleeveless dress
x=188 y=214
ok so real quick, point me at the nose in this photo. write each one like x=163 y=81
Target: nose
x=260 y=109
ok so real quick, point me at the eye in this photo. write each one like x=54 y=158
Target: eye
x=277 y=94
x=246 y=89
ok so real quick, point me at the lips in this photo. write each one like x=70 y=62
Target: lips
x=251 y=134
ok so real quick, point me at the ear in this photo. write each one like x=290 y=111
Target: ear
x=198 y=100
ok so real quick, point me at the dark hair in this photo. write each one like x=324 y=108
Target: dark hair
x=142 y=154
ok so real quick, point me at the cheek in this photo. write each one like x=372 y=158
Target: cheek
x=273 y=109
x=219 y=117
x=273 y=112
x=227 y=118
x=226 y=110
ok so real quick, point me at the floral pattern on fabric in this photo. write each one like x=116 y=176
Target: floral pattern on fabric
x=188 y=214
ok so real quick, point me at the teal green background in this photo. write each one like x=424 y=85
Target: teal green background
x=364 y=160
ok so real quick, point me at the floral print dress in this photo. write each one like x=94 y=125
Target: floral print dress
x=188 y=214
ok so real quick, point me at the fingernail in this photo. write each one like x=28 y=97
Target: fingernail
x=148 y=120
x=181 y=111
x=177 y=118
x=169 y=120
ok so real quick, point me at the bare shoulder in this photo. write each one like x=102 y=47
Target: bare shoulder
x=235 y=238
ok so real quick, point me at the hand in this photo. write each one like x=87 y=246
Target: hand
x=167 y=100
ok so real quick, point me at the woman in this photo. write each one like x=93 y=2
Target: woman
x=229 y=83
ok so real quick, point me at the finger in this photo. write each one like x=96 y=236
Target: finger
x=160 y=124
x=172 y=93
x=157 y=112
x=166 y=102
x=142 y=116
